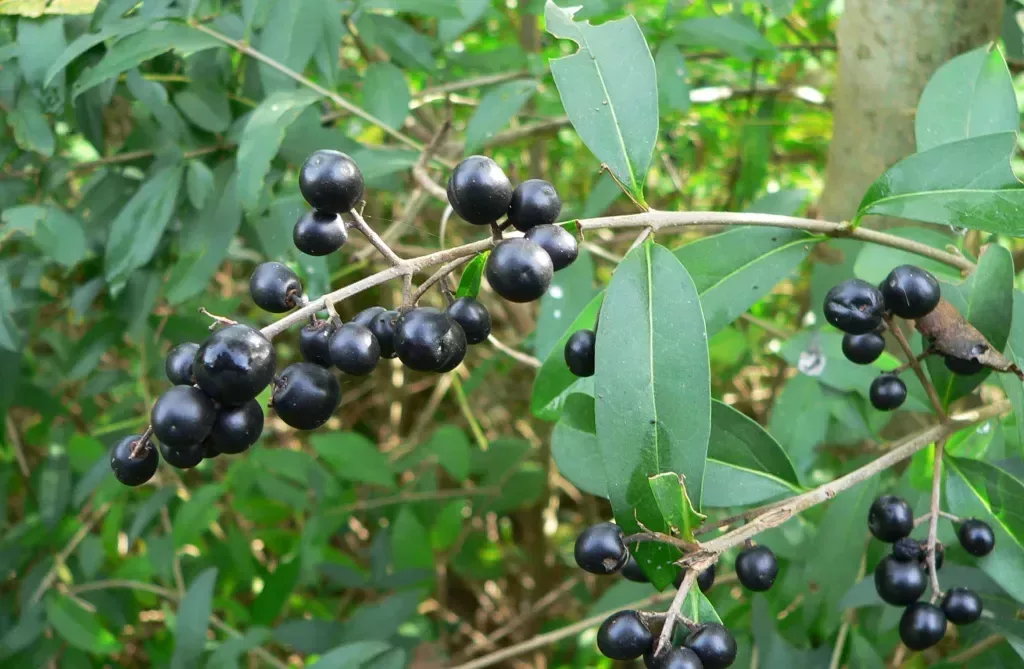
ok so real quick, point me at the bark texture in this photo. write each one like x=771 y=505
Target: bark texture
x=888 y=49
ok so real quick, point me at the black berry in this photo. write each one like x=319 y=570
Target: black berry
x=632 y=571
x=674 y=658
x=183 y=415
x=908 y=550
x=274 y=287
x=457 y=352
x=706 y=579
x=899 y=583
x=479 y=191
x=133 y=471
x=976 y=537
x=183 y=457
x=962 y=367
x=534 y=202
x=519 y=270
x=887 y=392
x=473 y=317
x=559 y=244
x=305 y=395
x=427 y=340
x=599 y=549
x=863 y=349
x=319 y=233
x=855 y=307
x=331 y=182
x=756 y=568
x=366 y=316
x=382 y=326
x=624 y=636
x=579 y=352
x=354 y=350
x=962 y=606
x=235 y=364
x=210 y=450
x=890 y=518
x=922 y=626
x=313 y=342
x=178 y=364
x=910 y=292
x=237 y=428
x=714 y=645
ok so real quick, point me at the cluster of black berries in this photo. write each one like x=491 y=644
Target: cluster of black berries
x=860 y=309
x=626 y=635
x=901 y=578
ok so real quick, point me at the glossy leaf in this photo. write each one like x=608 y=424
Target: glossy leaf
x=469 y=284
x=574 y=446
x=609 y=90
x=554 y=379
x=652 y=358
x=676 y=507
x=570 y=291
x=193 y=620
x=499 y=106
x=354 y=458
x=737 y=37
x=967 y=184
x=673 y=87
x=969 y=96
x=386 y=93
x=698 y=608
x=740 y=442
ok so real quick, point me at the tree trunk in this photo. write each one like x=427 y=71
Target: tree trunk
x=888 y=49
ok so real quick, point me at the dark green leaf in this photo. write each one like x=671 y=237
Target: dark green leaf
x=228 y=653
x=738 y=441
x=386 y=93
x=31 y=129
x=799 y=420
x=38 y=40
x=469 y=284
x=193 y=620
x=195 y=515
x=410 y=542
x=676 y=507
x=875 y=261
x=57 y=234
x=472 y=11
x=10 y=333
x=673 y=87
x=574 y=446
x=554 y=379
x=198 y=183
x=652 y=358
x=353 y=457
x=380 y=620
x=697 y=608
x=609 y=90
x=148 y=511
x=409 y=48
x=350 y=655
x=207 y=107
x=967 y=184
x=571 y=290
x=278 y=586
x=290 y=36
x=79 y=627
x=968 y=96
x=496 y=109
x=727 y=486
x=87 y=41
x=451 y=447
x=438 y=9
x=734 y=36
x=54 y=487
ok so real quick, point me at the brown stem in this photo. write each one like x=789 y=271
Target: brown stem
x=672 y=616
x=359 y=223
x=524 y=358
x=915 y=364
x=142 y=444
x=439 y=275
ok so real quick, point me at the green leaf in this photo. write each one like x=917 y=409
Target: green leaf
x=262 y=137
x=469 y=284
x=782 y=202
x=735 y=269
x=408 y=48
x=698 y=608
x=290 y=36
x=229 y=652
x=570 y=291
x=673 y=87
x=1015 y=351
x=499 y=106
x=554 y=379
x=986 y=300
x=967 y=184
x=80 y=628
x=87 y=41
x=969 y=96
x=874 y=262
x=386 y=93
x=31 y=129
x=54 y=487
x=799 y=420
x=134 y=50
x=452 y=448
x=193 y=620
x=738 y=38
x=472 y=11
x=278 y=586
x=350 y=655
x=148 y=511
x=410 y=542
x=438 y=9
x=198 y=183
x=137 y=230
x=195 y=515
x=574 y=446
x=976 y=489
x=652 y=358
x=207 y=107
x=609 y=90
x=676 y=507
x=37 y=41
x=57 y=234
x=739 y=441
x=354 y=458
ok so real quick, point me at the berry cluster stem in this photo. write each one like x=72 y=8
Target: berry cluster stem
x=142 y=444
x=673 y=615
x=359 y=223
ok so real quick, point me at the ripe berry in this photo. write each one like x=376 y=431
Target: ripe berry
x=632 y=571
x=910 y=292
x=313 y=342
x=534 y=202
x=962 y=606
x=756 y=568
x=624 y=636
x=714 y=645
x=210 y=450
x=178 y=364
x=922 y=626
x=305 y=395
x=976 y=537
x=890 y=518
x=129 y=471
x=366 y=316
x=854 y=306
x=354 y=350
x=863 y=349
x=274 y=287
x=899 y=583
x=458 y=351
x=674 y=658
x=705 y=579
x=519 y=270
x=579 y=352
x=962 y=367
x=237 y=428
x=558 y=242
x=331 y=182
x=599 y=549
x=235 y=364
x=473 y=317
x=479 y=191
x=908 y=550
x=427 y=340
x=383 y=328
x=887 y=392
x=182 y=457
x=319 y=233
x=183 y=415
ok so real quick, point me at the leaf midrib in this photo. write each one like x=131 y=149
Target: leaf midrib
x=611 y=108
x=943 y=191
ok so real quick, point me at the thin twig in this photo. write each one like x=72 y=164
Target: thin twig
x=440 y=274
x=977 y=649
x=359 y=223
x=141 y=444
x=672 y=617
x=915 y=364
x=474 y=82
x=524 y=358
